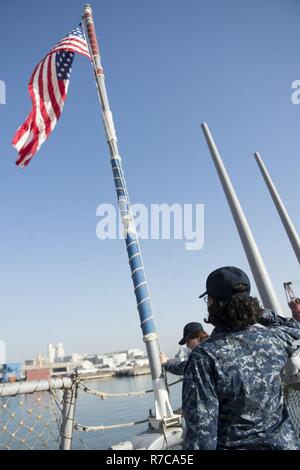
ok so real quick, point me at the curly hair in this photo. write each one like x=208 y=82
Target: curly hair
x=235 y=313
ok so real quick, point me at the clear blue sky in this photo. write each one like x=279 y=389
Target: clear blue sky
x=169 y=66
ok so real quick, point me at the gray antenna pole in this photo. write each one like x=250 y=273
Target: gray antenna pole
x=283 y=214
x=259 y=271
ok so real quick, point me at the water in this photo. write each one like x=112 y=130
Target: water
x=93 y=411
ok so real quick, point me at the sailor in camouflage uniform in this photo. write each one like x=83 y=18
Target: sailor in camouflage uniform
x=193 y=335
x=232 y=393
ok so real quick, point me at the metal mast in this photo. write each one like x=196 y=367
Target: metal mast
x=162 y=404
x=283 y=214
x=259 y=271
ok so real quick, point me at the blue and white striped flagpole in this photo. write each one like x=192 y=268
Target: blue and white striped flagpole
x=162 y=403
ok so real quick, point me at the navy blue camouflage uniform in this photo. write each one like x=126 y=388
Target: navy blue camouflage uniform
x=232 y=393
x=175 y=366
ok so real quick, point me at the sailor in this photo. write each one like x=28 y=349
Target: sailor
x=232 y=393
x=193 y=335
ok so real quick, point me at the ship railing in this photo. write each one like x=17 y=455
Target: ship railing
x=40 y=414
x=291 y=390
x=37 y=414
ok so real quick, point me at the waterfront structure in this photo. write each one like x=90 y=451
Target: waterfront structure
x=38 y=374
x=116 y=359
x=142 y=362
x=29 y=362
x=59 y=352
x=11 y=372
x=102 y=360
x=2 y=353
x=76 y=357
x=119 y=358
x=127 y=362
x=94 y=363
x=51 y=353
x=135 y=354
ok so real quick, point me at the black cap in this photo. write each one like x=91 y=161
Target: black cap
x=189 y=331
x=221 y=283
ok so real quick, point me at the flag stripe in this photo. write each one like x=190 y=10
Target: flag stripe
x=73 y=39
x=72 y=48
x=23 y=130
x=75 y=45
x=29 y=136
x=52 y=104
x=56 y=98
x=36 y=119
x=44 y=125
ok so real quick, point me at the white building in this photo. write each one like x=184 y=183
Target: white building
x=2 y=353
x=108 y=361
x=59 y=352
x=88 y=365
x=76 y=357
x=142 y=362
x=133 y=353
x=41 y=361
x=51 y=353
x=119 y=358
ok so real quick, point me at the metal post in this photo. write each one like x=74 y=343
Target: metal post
x=32 y=386
x=283 y=214
x=69 y=402
x=162 y=403
x=260 y=274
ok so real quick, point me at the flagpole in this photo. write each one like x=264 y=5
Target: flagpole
x=163 y=410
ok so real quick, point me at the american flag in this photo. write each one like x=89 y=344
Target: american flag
x=48 y=88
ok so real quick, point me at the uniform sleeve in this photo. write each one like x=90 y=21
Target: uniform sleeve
x=200 y=404
x=287 y=330
x=175 y=367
